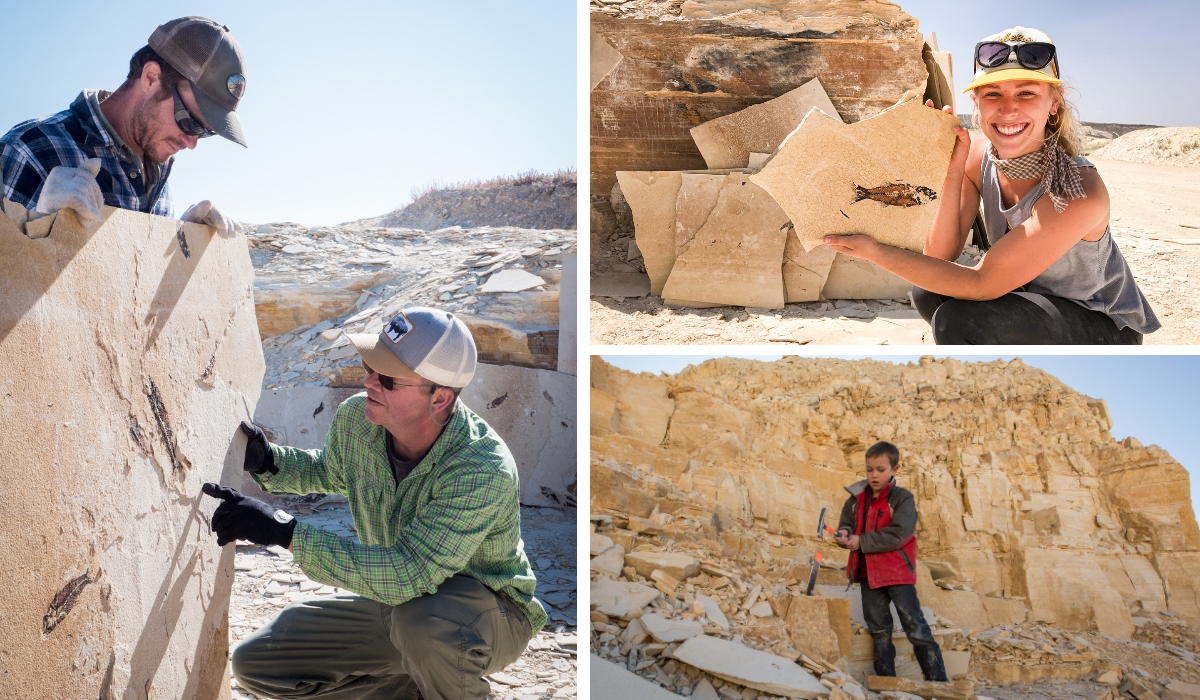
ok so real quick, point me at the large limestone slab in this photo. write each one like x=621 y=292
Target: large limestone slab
x=727 y=142
x=129 y=353
x=620 y=599
x=855 y=278
x=749 y=667
x=1093 y=604
x=651 y=197
x=953 y=690
x=678 y=566
x=736 y=257
x=881 y=176
x=809 y=626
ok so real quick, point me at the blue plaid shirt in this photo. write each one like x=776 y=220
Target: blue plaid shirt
x=31 y=149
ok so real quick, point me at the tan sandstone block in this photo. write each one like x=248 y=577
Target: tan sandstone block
x=697 y=197
x=855 y=278
x=728 y=141
x=736 y=257
x=651 y=197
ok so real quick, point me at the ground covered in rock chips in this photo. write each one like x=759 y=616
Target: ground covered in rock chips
x=268 y=579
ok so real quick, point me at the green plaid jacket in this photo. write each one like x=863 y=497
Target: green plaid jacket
x=458 y=511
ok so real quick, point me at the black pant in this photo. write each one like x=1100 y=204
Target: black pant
x=1015 y=320
x=879 y=623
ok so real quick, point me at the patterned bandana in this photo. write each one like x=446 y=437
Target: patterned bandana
x=1050 y=164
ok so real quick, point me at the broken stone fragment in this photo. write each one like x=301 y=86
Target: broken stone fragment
x=728 y=141
x=678 y=566
x=954 y=690
x=668 y=631
x=599 y=543
x=609 y=561
x=651 y=197
x=740 y=664
x=620 y=599
x=736 y=257
x=881 y=176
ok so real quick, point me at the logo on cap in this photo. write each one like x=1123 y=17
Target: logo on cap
x=236 y=85
x=398 y=328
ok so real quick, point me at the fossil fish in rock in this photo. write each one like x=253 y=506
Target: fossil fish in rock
x=895 y=194
x=64 y=601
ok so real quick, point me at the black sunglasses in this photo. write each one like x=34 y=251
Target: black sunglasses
x=1033 y=55
x=389 y=383
x=187 y=124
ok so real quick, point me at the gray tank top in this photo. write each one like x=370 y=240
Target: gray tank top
x=1092 y=274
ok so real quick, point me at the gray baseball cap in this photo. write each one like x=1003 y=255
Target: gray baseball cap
x=421 y=342
x=209 y=57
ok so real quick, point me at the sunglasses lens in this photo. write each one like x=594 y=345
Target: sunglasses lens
x=992 y=54
x=385 y=381
x=1034 y=56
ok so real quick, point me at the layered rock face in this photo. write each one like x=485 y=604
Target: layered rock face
x=129 y=353
x=684 y=64
x=545 y=202
x=1034 y=510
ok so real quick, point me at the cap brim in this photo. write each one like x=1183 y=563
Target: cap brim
x=1000 y=76
x=220 y=119
x=376 y=354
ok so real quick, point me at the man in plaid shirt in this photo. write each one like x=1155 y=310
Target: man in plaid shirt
x=117 y=148
x=441 y=592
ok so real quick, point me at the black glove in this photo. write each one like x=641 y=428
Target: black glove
x=259 y=458
x=243 y=518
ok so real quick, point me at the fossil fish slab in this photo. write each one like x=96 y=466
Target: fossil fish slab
x=882 y=176
x=129 y=353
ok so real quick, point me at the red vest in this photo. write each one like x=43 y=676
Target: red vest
x=883 y=568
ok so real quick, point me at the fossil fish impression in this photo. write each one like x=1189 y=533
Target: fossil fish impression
x=895 y=194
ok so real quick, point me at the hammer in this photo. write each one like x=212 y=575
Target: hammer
x=822 y=528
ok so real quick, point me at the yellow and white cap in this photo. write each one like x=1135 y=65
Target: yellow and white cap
x=1011 y=69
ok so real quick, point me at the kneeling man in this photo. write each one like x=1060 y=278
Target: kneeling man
x=442 y=592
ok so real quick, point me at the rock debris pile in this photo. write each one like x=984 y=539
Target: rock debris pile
x=706 y=489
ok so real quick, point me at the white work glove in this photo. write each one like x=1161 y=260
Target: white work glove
x=73 y=188
x=205 y=212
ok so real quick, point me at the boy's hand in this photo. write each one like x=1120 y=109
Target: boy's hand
x=852 y=542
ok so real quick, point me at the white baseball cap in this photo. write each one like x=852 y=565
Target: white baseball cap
x=1012 y=69
x=421 y=343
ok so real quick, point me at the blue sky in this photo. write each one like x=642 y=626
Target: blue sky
x=348 y=105
x=1151 y=397
x=1129 y=62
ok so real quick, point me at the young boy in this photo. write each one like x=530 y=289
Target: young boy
x=883 y=518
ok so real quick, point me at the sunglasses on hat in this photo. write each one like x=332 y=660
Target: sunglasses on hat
x=186 y=123
x=387 y=382
x=1033 y=55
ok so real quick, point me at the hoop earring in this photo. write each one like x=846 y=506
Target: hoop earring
x=1056 y=119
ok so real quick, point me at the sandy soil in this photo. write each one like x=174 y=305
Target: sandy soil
x=1168 y=145
x=1155 y=222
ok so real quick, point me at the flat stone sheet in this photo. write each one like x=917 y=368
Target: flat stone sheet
x=651 y=197
x=749 y=667
x=697 y=197
x=620 y=284
x=805 y=271
x=603 y=59
x=511 y=281
x=881 y=176
x=728 y=141
x=129 y=353
x=736 y=258
x=612 y=682
x=855 y=278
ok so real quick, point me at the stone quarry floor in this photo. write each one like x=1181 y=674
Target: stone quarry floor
x=1155 y=222
x=267 y=579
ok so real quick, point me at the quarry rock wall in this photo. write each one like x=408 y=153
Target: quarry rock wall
x=1036 y=511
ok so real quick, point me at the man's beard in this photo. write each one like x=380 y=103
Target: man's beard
x=144 y=132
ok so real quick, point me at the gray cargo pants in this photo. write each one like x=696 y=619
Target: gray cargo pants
x=345 y=646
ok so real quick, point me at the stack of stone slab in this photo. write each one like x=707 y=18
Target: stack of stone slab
x=783 y=174
x=129 y=354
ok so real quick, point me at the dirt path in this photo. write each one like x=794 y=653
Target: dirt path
x=1149 y=204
